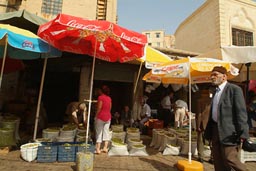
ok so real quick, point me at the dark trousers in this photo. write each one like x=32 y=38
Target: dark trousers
x=167 y=117
x=225 y=158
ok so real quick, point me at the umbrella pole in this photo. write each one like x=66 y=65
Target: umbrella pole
x=39 y=99
x=183 y=165
x=90 y=97
x=189 y=96
x=137 y=79
x=3 y=62
x=247 y=80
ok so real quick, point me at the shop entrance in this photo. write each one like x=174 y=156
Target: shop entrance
x=120 y=92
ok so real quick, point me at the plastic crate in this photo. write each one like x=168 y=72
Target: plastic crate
x=47 y=152
x=67 y=153
x=247 y=156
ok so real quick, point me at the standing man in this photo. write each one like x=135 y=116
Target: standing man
x=227 y=124
x=166 y=105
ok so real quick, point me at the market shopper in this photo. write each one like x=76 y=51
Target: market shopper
x=227 y=124
x=181 y=111
x=126 y=117
x=77 y=113
x=103 y=119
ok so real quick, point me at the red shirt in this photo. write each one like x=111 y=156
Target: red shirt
x=105 y=112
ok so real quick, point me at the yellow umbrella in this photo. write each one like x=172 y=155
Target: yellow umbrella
x=187 y=71
x=152 y=58
x=179 y=71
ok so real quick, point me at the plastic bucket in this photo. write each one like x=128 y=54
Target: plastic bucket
x=7 y=137
x=29 y=151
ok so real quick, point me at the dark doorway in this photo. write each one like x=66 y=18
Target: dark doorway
x=60 y=89
x=120 y=92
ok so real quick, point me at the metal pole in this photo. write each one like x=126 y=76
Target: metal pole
x=247 y=80
x=39 y=98
x=3 y=61
x=90 y=97
x=189 y=96
x=137 y=80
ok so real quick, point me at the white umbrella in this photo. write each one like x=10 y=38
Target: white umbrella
x=240 y=56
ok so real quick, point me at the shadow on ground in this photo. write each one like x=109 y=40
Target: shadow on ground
x=159 y=165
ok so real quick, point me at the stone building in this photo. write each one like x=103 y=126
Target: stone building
x=219 y=23
x=48 y=9
x=158 y=39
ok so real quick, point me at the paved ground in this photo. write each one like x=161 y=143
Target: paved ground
x=154 y=162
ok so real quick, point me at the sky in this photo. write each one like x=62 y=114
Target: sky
x=141 y=15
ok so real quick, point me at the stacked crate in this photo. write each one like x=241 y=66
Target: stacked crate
x=47 y=152
x=154 y=124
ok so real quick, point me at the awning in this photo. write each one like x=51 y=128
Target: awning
x=22 y=19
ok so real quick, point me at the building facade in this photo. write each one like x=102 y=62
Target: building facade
x=48 y=9
x=219 y=23
x=158 y=39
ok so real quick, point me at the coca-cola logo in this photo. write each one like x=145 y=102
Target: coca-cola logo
x=74 y=24
x=28 y=44
x=132 y=39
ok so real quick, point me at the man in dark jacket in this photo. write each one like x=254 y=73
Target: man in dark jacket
x=227 y=124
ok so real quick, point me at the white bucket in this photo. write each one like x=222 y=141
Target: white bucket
x=67 y=133
x=52 y=134
x=119 y=135
x=132 y=142
x=65 y=139
x=29 y=151
x=117 y=128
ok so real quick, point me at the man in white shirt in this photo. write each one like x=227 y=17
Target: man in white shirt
x=167 y=109
x=181 y=110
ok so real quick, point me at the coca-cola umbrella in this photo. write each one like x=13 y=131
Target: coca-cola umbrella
x=98 y=38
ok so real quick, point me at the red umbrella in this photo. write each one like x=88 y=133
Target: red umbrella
x=102 y=39
x=97 y=38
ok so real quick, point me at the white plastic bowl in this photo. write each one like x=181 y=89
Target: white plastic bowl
x=29 y=151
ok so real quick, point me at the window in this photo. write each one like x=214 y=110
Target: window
x=242 y=38
x=158 y=35
x=158 y=44
x=52 y=7
x=148 y=35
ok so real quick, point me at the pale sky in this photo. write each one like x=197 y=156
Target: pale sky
x=141 y=15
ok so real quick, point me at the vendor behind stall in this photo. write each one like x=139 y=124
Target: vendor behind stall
x=77 y=113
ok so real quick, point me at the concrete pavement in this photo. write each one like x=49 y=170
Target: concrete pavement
x=154 y=162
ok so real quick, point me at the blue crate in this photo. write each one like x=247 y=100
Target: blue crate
x=67 y=153
x=47 y=153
